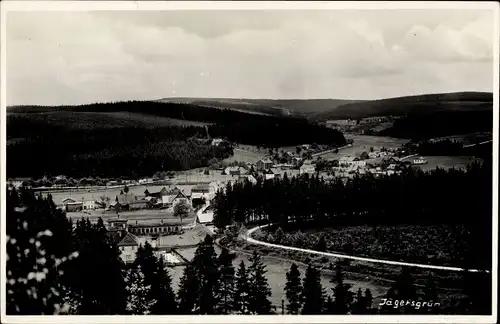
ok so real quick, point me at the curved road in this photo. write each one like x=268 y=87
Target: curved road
x=249 y=239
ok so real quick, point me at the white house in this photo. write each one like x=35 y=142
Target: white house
x=89 y=204
x=307 y=168
x=419 y=160
x=217 y=141
x=128 y=247
x=205 y=190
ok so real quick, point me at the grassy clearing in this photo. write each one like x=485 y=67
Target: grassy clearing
x=244 y=155
x=189 y=237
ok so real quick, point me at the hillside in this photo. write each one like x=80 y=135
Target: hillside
x=410 y=105
x=304 y=108
x=141 y=137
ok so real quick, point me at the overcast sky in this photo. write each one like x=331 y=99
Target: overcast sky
x=82 y=57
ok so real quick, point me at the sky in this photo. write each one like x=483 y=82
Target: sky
x=60 y=58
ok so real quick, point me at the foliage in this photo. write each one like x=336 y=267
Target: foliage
x=242 y=291
x=293 y=290
x=440 y=197
x=259 y=291
x=181 y=209
x=138 y=293
x=227 y=283
x=312 y=292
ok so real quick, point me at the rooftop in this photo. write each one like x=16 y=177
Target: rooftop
x=128 y=240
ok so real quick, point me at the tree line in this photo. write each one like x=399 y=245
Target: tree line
x=423 y=126
x=107 y=152
x=414 y=197
x=55 y=266
x=136 y=150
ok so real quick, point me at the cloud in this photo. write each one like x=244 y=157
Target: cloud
x=80 y=57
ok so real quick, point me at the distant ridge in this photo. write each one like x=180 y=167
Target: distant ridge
x=407 y=105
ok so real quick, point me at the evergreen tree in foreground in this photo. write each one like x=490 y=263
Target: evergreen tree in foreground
x=138 y=297
x=188 y=290
x=242 y=291
x=162 y=292
x=38 y=250
x=259 y=288
x=343 y=297
x=156 y=276
x=312 y=292
x=293 y=290
x=227 y=283
x=205 y=264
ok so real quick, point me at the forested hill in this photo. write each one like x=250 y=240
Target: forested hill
x=236 y=126
x=74 y=140
x=411 y=105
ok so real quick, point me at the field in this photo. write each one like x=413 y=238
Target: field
x=446 y=162
x=436 y=244
x=362 y=143
x=245 y=155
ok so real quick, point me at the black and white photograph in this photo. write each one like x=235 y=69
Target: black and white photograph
x=285 y=159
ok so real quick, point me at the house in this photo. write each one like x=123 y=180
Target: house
x=173 y=200
x=206 y=191
x=307 y=168
x=235 y=171
x=155 y=228
x=305 y=146
x=217 y=141
x=128 y=247
x=419 y=160
x=271 y=174
x=158 y=194
x=89 y=204
x=206 y=216
x=250 y=178
x=296 y=161
x=72 y=205
x=117 y=224
x=129 y=202
x=392 y=166
x=264 y=164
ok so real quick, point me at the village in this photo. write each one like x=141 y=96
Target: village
x=172 y=218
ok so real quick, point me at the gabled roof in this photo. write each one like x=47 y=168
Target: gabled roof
x=69 y=200
x=128 y=240
x=126 y=199
x=265 y=160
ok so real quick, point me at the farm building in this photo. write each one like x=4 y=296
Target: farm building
x=72 y=205
x=419 y=160
x=235 y=171
x=156 y=228
x=307 y=168
x=206 y=191
x=296 y=161
x=130 y=202
x=264 y=164
x=249 y=178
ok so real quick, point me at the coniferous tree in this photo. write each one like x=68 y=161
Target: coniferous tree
x=293 y=290
x=402 y=289
x=343 y=297
x=187 y=294
x=259 y=288
x=368 y=300
x=162 y=292
x=242 y=291
x=227 y=283
x=205 y=264
x=359 y=305
x=312 y=292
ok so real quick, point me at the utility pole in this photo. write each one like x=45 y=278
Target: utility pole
x=282 y=307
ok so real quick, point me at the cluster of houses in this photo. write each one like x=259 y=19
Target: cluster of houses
x=165 y=198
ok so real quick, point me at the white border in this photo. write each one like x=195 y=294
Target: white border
x=221 y=5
